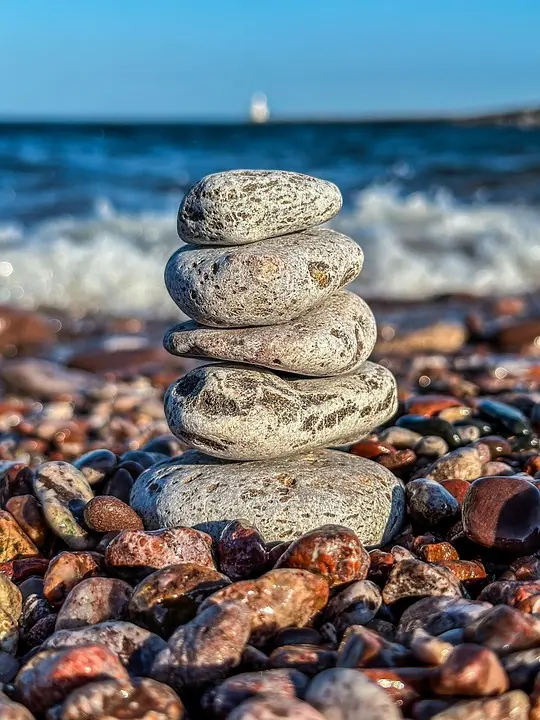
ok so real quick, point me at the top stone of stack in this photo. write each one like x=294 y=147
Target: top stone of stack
x=243 y=206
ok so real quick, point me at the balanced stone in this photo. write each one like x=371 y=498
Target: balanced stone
x=243 y=206
x=284 y=498
x=265 y=283
x=334 y=338
x=237 y=412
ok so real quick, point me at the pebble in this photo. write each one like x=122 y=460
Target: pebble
x=414 y=578
x=346 y=694
x=504 y=513
x=206 y=649
x=106 y=513
x=504 y=630
x=51 y=675
x=333 y=551
x=56 y=485
x=15 y=479
x=10 y=612
x=14 y=542
x=137 y=699
x=278 y=599
x=503 y=416
x=429 y=503
x=242 y=413
x=461 y=464
x=27 y=512
x=510 y=706
x=333 y=338
x=361 y=647
x=270 y=282
x=283 y=498
x=400 y=438
x=431 y=426
x=431 y=446
x=470 y=670
x=245 y=206
x=357 y=604
x=309 y=659
x=135 y=647
x=10 y=710
x=457 y=488
x=96 y=465
x=66 y=570
x=275 y=708
x=137 y=553
x=92 y=601
x=436 y=615
x=171 y=597
x=241 y=551
x=45 y=380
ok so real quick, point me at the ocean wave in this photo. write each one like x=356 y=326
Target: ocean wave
x=416 y=246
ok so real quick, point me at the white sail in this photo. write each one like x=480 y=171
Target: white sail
x=259 y=111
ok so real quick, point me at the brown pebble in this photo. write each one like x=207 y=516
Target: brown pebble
x=106 y=513
x=66 y=570
x=470 y=670
x=441 y=552
x=27 y=512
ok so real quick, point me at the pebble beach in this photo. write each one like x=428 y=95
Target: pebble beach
x=163 y=557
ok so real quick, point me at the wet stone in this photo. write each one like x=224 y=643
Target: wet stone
x=308 y=659
x=10 y=710
x=14 y=542
x=414 y=578
x=344 y=694
x=233 y=691
x=357 y=604
x=96 y=465
x=362 y=647
x=429 y=503
x=270 y=708
x=137 y=699
x=66 y=570
x=513 y=705
x=279 y=599
x=333 y=551
x=92 y=601
x=268 y=283
x=504 y=630
x=441 y=552
x=399 y=437
x=50 y=676
x=404 y=685
x=429 y=405
x=171 y=597
x=508 y=418
x=467 y=571
x=15 y=479
x=462 y=464
x=456 y=488
x=121 y=482
x=509 y=592
x=28 y=514
x=206 y=649
x=431 y=426
x=244 y=206
x=431 y=446
x=241 y=551
x=56 y=485
x=134 y=646
x=437 y=615
x=137 y=553
x=470 y=670
x=429 y=650
x=39 y=632
x=297 y=636
x=243 y=413
x=9 y=667
x=504 y=513
x=10 y=612
x=106 y=513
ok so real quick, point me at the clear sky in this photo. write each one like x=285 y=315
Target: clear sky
x=204 y=58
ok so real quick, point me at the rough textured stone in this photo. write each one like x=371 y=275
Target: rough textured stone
x=242 y=413
x=135 y=647
x=93 y=601
x=27 y=512
x=332 y=551
x=503 y=512
x=413 y=578
x=171 y=597
x=56 y=485
x=107 y=513
x=207 y=648
x=461 y=464
x=14 y=542
x=279 y=599
x=243 y=206
x=284 y=498
x=347 y=694
x=333 y=338
x=10 y=612
x=267 y=283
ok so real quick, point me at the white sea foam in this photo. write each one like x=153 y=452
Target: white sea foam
x=415 y=246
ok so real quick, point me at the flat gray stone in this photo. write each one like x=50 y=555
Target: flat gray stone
x=334 y=338
x=284 y=498
x=242 y=206
x=237 y=412
x=264 y=283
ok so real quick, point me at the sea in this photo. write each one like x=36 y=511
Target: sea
x=88 y=211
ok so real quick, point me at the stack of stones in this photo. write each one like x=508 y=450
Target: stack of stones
x=264 y=286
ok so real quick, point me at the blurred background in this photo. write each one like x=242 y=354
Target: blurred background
x=423 y=113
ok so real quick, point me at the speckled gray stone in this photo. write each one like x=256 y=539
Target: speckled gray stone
x=334 y=338
x=242 y=206
x=265 y=283
x=56 y=485
x=236 y=412
x=284 y=498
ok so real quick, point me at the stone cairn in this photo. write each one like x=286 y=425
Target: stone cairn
x=264 y=286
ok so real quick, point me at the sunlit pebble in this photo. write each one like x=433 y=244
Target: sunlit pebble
x=388 y=333
x=424 y=381
x=501 y=372
x=6 y=268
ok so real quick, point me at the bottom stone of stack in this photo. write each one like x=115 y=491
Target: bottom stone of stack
x=284 y=498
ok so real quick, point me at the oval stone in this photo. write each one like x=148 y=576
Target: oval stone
x=242 y=413
x=333 y=338
x=284 y=498
x=263 y=284
x=503 y=512
x=243 y=206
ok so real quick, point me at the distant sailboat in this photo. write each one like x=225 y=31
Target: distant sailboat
x=259 y=111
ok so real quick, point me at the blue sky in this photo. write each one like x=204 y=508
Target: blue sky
x=204 y=58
